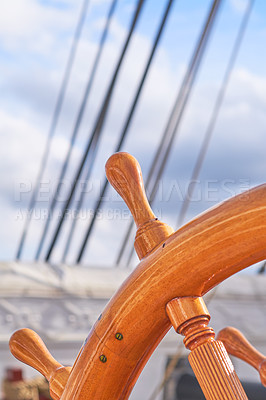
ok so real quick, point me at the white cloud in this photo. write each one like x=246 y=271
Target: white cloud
x=22 y=146
x=239 y=5
x=32 y=92
x=27 y=24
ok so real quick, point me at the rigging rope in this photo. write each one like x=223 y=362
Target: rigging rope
x=127 y=124
x=76 y=126
x=95 y=136
x=54 y=122
x=215 y=114
x=171 y=130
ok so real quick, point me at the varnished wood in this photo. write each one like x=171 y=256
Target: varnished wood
x=215 y=372
x=183 y=309
x=124 y=173
x=29 y=348
x=190 y=262
x=237 y=345
x=208 y=358
x=190 y=317
x=193 y=260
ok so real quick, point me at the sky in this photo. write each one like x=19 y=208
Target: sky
x=35 y=39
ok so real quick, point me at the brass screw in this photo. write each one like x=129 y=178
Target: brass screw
x=103 y=358
x=119 y=336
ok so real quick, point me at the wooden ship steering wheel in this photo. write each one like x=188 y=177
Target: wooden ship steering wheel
x=176 y=269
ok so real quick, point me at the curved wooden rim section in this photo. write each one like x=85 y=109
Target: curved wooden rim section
x=203 y=253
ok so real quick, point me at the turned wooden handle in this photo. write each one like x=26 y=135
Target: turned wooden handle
x=124 y=173
x=189 y=263
x=208 y=358
x=237 y=345
x=29 y=348
x=215 y=372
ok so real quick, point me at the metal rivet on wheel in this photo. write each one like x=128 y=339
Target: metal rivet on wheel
x=119 y=336
x=103 y=358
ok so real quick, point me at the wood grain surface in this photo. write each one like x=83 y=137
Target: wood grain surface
x=187 y=263
x=190 y=262
x=29 y=348
x=237 y=345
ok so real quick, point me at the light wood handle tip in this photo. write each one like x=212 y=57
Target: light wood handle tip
x=27 y=346
x=124 y=174
x=237 y=345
